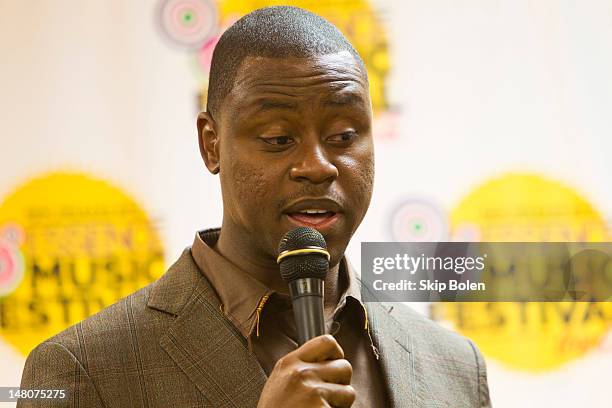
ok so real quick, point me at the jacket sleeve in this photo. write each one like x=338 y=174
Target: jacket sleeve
x=484 y=398
x=51 y=366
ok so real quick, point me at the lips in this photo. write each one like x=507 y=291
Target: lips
x=321 y=214
x=312 y=219
x=322 y=223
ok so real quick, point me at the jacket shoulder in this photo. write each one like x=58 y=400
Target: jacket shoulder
x=81 y=359
x=104 y=357
x=451 y=362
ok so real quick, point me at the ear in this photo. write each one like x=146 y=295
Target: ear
x=208 y=139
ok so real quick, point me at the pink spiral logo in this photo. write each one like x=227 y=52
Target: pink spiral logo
x=11 y=260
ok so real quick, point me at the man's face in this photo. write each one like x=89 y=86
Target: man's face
x=295 y=149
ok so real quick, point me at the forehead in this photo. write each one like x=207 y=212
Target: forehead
x=299 y=78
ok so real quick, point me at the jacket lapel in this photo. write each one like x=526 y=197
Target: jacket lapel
x=202 y=342
x=397 y=357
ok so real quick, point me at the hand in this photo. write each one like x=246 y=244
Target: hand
x=314 y=375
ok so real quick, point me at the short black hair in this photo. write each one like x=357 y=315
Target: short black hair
x=274 y=32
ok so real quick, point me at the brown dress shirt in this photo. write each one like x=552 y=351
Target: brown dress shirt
x=265 y=319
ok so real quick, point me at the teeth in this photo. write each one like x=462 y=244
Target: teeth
x=313 y=211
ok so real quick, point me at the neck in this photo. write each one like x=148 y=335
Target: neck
x=264 y=268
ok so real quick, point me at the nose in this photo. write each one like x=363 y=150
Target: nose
x=313 y=165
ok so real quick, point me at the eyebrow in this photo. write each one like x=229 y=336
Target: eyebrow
x=343 y=99
x=264 y=105
x=335 y=100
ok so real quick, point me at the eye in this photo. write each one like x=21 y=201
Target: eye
x=343 y=138
x=278 y=140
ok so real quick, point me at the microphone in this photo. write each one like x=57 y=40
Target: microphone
x=304 y=261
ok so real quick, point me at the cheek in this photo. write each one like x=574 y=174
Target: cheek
x=367 y=175
x=360 y=182
x=250 y=184
x=241 y=178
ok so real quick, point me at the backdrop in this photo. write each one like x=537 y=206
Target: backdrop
x=492 y=122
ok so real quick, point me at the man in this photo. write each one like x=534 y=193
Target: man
x=288 y=129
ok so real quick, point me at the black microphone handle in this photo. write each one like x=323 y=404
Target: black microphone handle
x=307 y=298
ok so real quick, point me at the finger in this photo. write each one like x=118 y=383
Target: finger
x=340 y=396
x=337 y=371
x=320 y=348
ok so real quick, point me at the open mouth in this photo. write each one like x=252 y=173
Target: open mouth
x=313 y=217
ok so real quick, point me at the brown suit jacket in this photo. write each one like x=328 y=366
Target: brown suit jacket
x=169 y=345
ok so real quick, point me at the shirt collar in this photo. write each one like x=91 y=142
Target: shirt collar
x=243 y=297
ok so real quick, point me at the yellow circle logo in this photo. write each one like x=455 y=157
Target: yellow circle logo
x=70 y=245
x=529 y=336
